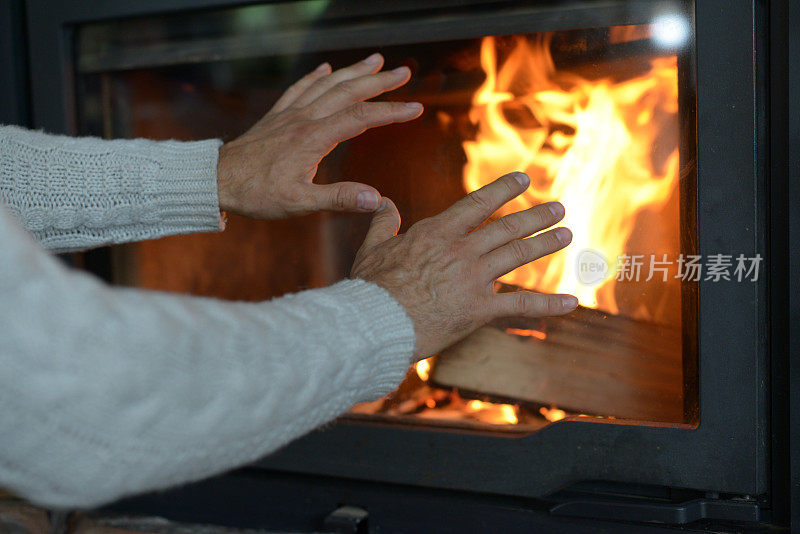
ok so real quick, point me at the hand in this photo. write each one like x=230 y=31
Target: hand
x=443 y=273
x=267 y=172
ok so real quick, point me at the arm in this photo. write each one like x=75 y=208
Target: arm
x=108 y=392
x=78 y=193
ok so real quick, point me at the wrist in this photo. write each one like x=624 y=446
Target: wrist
x=224 y=195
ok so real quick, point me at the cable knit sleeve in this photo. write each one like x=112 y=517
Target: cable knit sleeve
x=107 y=392
x=77 y=193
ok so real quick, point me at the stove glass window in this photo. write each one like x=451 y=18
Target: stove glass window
x=596 y=104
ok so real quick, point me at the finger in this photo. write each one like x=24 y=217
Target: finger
x=517 y=225
x=469 y=212
x=343 y=196
x=370 y=65
x=385 y=224
x=527 y=304
x=355 y=90
x=521 y=251
x=299 y=87
x=357 y=118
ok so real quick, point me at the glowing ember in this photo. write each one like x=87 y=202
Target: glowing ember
x=591 y=144
x=552 y=414
x=526 y=332
x=475 y=405
x=499 y=414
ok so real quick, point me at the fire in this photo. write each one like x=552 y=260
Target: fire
x=604 y=148
x=423 y=368
x=499 y=414
x=552 y=414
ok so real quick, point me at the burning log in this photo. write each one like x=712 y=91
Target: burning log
x=589 y=362
x=588 y=140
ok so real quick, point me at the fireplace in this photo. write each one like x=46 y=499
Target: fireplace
x=593 y=115
x=648 y=403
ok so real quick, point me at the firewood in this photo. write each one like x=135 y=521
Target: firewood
x=587 y=362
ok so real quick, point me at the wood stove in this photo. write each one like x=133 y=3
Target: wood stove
x=651 y=403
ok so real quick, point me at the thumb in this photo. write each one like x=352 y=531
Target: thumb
x=345 y=196
x=385 y=224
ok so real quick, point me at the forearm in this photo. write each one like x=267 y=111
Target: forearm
x=108 y=392
x=78 y=193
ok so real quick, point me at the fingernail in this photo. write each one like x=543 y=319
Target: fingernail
x=382 y=206
x=401 y=70
x=323 y=66
x=556 y=208
x=415 y=106
x=367 y=201
x=523 y=179
x=569 y=302
x=564 y=235
x=374 y=59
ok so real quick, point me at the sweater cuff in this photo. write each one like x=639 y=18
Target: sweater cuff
x=184 y=193
x=387 y=327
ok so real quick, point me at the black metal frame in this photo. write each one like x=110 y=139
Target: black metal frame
x=785 y=85
x=792 y=25
x=729 y=451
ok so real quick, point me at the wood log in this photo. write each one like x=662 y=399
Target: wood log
x=587 y=362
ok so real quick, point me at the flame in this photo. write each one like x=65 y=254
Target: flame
x=499 y=414
x=552 y=414
x=591 y=144
x=423 y=368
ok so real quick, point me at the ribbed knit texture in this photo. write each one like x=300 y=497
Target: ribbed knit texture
x=75 y=193
x=107 y=392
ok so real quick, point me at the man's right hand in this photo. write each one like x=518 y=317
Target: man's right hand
x=443 y=273
x=268 y=172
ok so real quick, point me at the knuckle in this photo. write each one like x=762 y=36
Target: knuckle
x=341 y=198
x=360 y=111
x=519 y=251
x=550 y=305
x=479 y=201
x=346 y=88
x=539 y=216
x=520 y=304
x=510 y=225
x=293 y=90
x=300 y=85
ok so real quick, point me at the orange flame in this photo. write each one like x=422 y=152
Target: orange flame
x=552 y=414
x=499 y=414
x=423 y=368
x=591 y=144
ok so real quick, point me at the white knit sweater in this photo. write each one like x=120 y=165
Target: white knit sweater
x=106 y=392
